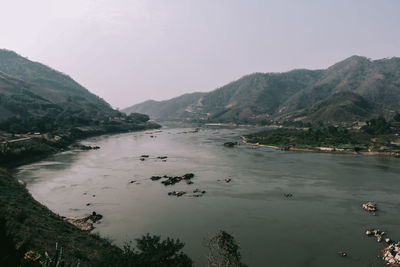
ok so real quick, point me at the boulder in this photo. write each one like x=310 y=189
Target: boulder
x=369 y=206
x=188 y=176
x=173 y=180
x=177 y=193
x=378 y=234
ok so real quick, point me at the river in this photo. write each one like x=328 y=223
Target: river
x=323 y=217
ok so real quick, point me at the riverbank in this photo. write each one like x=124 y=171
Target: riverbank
x=30 y=226
x=28 y=229
x=34 y=147
x=331 y=150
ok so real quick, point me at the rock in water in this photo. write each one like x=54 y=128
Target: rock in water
x=369 y=206
x=230 y=144
x=342 y=253
x=188 y=176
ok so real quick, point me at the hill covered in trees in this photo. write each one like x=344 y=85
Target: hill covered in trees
x=355 y=89
x=31 y=88
x=43 y=110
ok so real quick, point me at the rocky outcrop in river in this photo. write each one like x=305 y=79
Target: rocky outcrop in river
x=391 y=253
x=171 y=180
x=369 y=206
x=196 y=193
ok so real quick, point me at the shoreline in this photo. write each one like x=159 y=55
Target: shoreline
x=32 y=226
x=49 y=147
x=330 y=150
x=18 y=202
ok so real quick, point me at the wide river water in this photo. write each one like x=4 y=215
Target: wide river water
x=324 y=215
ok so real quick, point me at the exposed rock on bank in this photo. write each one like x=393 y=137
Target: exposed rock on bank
x=86 y=223
x=23 y=183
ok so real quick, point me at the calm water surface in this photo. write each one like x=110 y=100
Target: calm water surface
x=322 y=218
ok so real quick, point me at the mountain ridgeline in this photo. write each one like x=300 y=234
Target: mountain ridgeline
x=37 y=98
x=43 y=111
x=31 y=88
x=356 y=89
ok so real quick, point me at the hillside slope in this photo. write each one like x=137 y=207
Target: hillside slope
x=354 y=89
x=43 y=111
x=177 y=108
x=31 y=88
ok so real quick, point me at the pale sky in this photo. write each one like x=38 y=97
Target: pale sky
x=128 y=51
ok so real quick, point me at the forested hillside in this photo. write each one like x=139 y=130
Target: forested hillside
x=29 y=88
x=43 y=110
x=356 y=89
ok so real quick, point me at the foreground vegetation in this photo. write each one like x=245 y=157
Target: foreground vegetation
x=28 y=230
x=32 y=235
x=377 y=135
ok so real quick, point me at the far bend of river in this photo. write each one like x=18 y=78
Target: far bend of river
x=323 y=217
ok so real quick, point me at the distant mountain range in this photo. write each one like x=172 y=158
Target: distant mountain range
x=32 y=89
x=355 y=89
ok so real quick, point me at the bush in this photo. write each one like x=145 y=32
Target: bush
x=223 y=251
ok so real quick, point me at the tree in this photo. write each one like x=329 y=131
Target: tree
x=377 y=126
x=223 y=251
x=150 y=251
x=156 y=253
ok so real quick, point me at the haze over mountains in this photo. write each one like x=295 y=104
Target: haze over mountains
x=32 y=89
x=355 y=89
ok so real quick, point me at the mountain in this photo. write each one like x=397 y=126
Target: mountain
x=178 y=108
x=31 y=88
x=354 y=89
x=37 y=98
x=43 y=111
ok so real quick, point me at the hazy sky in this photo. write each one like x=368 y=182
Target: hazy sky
x=128 y=51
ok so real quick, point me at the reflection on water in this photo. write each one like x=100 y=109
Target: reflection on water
x=324 y=215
